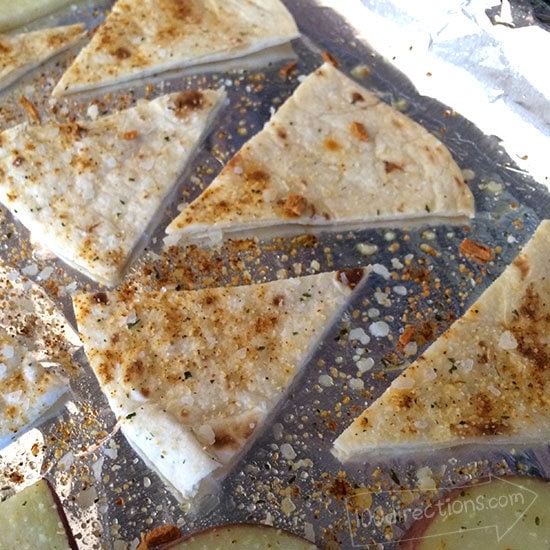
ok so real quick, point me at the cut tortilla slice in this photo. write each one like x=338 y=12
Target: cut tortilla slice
x=486 y=380
x=140 y=38
x=21 y=53
x=191 y=374
x=14 y=14
x=88 y=190
x=36 y=348
x=334 y=156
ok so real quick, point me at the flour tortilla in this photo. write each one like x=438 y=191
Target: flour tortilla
x=191 y=374
x=21 y=53
x=140 y=38
x=88 y=190
x=14 y=13
x=333 y=157
x=484 y=381
x=36 y=348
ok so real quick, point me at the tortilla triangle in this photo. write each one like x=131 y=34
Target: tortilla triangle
x=20 y=53
x=88 y=190
x=334 y=156
x=36 y=347
x=191 y=374
x=140 y=38
x=485 y=380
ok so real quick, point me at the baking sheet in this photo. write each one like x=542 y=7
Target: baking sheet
x=287 y=477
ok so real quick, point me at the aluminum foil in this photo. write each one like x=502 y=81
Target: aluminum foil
x=482 y=57
x=287 y=476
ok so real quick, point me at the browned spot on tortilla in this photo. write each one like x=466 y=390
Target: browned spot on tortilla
x=331 y=145
x=390 y=167
x=180 y=9
x=482 y=405
x=397 y=123
x=256 y=176
x=522 y=263
x=5 y=48
x=356 y=97
x=101 y=298
x=122 y=53
x=187 y=101
x=232 y=437
x=264 y=324
x=281 y=132
x=477 y=428
x=358 y=131
x=134 y=371
x=350 y=277
x=403 y=399
x=278 y=300
x=295 y=205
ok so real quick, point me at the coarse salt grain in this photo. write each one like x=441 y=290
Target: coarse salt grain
x=379 y=329
x=400 y=290
x=365 y=364
x=360 y=335
x=367 y=249
x=381 y=270
x=403 y=383
x=507 y=341
x=287 y=451
x=326 y=380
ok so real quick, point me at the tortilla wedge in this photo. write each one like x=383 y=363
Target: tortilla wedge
x=140 y=38
x=333 y=157
x=191 y=374
x=88 y=190
x=21 y=53
x=485 y=380
x=36 y=348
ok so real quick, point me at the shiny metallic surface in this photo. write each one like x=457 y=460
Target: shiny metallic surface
x=287 y=476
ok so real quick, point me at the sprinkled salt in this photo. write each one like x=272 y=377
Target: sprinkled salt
x=507 y=340
x=379 y=329
x=277 y=431
x=360 y=335
x=92 y=111
x=367 y=249
x=382 y=299
x=410 y=349
x=7 y=351
x=381 y=270
x=46 y=273
x=493 y=390
x=31 y=270
x=373 y=313
x=365 y=364
x=403 y=382
x=287 y=451
x=466 y=365
x=326 y=380
x=356 y=384
x=396 y=263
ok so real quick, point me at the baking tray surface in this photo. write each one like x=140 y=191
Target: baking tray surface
x=287 y=477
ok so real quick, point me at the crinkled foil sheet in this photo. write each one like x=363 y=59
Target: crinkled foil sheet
x=287 y=477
